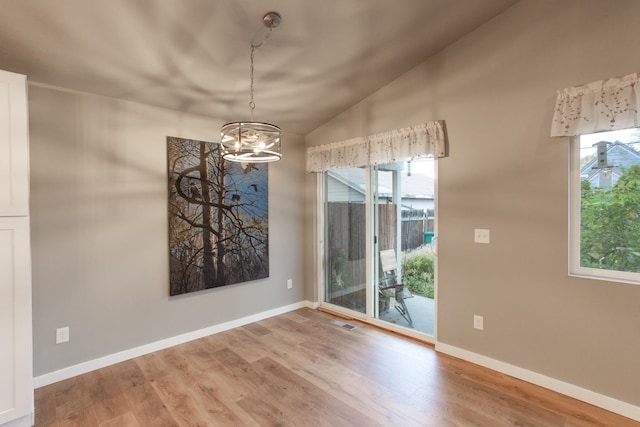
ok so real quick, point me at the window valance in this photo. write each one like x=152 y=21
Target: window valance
x=423 y=140
x=599 y=106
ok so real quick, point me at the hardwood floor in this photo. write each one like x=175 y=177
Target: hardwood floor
x=301 y=369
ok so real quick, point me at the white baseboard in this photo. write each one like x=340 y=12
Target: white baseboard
x=26 y=421
x=610 y=404
x=112 y=359
x=312 y=304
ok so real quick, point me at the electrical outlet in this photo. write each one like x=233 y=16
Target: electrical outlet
x=478 y=322
x=62 y=335
x=289 y=283
x=481 y=235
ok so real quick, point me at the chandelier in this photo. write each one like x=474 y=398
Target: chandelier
x=251 y=141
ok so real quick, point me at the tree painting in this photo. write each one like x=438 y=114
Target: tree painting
x=218 y=218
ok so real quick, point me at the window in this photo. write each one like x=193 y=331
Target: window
x=605 y=205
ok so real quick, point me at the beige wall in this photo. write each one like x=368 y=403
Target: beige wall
x=99 y=229
x=496 y=90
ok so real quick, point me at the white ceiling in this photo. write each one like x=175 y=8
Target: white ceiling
x=193 y=55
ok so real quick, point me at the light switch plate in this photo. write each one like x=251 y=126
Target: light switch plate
x=478 y=322
x=62 y=335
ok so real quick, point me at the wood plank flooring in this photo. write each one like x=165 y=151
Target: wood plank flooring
x=301 y=369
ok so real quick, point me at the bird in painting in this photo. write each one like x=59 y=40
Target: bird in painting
x=195 y=193
x=247 y=167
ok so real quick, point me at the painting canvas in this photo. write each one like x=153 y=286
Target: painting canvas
x=218 y=218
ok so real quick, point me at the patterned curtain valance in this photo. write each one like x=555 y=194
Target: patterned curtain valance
x=599 y=106
x=423 y=140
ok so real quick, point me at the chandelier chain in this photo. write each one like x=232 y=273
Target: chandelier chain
x=252 y=104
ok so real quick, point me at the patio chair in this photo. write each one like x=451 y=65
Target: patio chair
x=389 y=282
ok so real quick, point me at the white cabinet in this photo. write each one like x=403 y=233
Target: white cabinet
x=16 y=390
x=16 y=372
x=14 y=145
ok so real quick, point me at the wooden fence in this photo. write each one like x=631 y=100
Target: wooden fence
x=347 y=227
x=414 y=224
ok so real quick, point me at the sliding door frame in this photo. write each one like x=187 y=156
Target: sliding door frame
x=371 y=246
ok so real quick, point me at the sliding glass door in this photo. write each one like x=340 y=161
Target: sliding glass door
x=403 y=195
x=379 y=253
x=345 y=238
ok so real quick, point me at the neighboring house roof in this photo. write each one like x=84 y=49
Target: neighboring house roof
x=414 y=186
x=620 y=156
x=349 y=177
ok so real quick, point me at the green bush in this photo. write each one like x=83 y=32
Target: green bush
x=610 y=224
x=338 y=262
x=418 y=273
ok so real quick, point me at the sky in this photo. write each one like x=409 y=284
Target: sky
x=624 y=135
x=423 y=167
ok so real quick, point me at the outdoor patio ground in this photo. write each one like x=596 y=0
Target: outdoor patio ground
x=421 y=310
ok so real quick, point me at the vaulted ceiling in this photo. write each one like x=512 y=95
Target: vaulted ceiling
x=193 y=55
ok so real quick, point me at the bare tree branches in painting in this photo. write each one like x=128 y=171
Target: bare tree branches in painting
x=218 y=218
